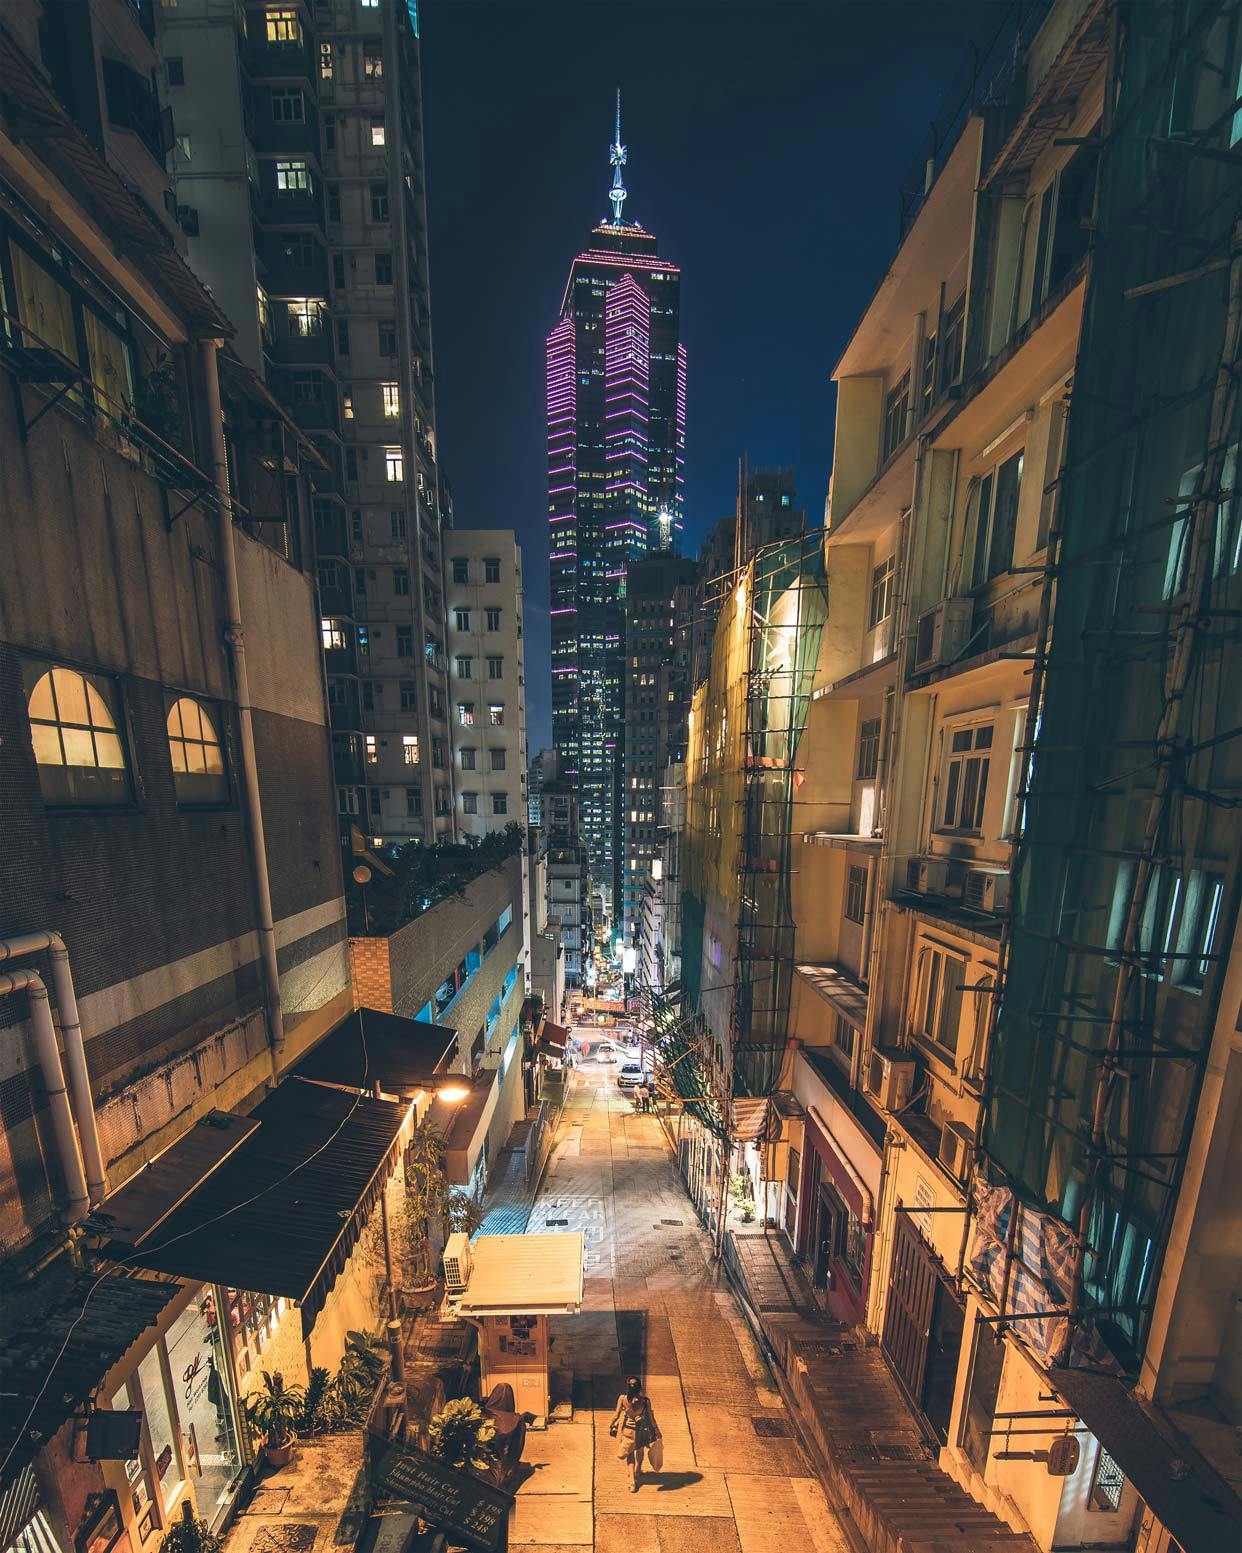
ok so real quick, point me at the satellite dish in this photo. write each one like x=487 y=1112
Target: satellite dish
x=362 y=874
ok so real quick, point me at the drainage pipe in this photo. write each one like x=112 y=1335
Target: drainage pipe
x=51 y=943
x=23 y=979
x=235 y=638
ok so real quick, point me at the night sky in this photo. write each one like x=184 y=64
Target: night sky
x=767 y=144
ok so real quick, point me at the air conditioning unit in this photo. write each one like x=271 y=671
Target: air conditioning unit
x=890 y=1077
x=933 y=876
x=956 y=1144
x=986 y=889
x=457 y=1262
x=942 y=633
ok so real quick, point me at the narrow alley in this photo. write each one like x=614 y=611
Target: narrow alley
x=734 y=1479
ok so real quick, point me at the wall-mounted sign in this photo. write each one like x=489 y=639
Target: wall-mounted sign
x=468 y=1509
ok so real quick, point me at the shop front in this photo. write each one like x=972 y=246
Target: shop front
x=836 y=1222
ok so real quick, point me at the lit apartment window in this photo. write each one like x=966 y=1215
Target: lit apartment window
x=73 y=727
x=394 y=465
x=332 y=633
x=325 y=61
x=491 y=569
x=370 y=5
x=467 y=760
x=493 y=619
x=882 y=591
x=377 y=132
x=964 y=778
x=347 y=405
x=409 y=748
x=292 y=178
x=496 y=714
x=372 y=64
x=461 y=619
x=196 y=752
x=1107 y=1483
x=283 y=27
x=495 y=668
x=265 y=312
x=470 y=803
x=465 y=713
x=391 y=393
x=855 y=893
x=372 y=744
x=306 y=316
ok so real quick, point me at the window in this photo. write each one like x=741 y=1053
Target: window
x=496 y=714
x=855 y=893
x=74 y=730
x=329 y=144
x=461 y=619
x=498 y=760
x=347 y=404
x=868 y=749
x=461 y=569
x=386 y=330
x=342 y=336
x=882 y=578
x=383 y=269
x=1052 y=472
x=196 y=752
x=964 y=786
x=372 y=63
x=465 y=714
x=409 y=749
x=409 y=695
x=470 y=803
x=896 y=414
x=369 y=688
x=391 y=396
x=491 y=569
x=464 y=664
x=283 y=27
x=396 y=521
x=927 y=378
x=299 y=250
x=334 y=210
x=347 y=800
x=306 y=316
x=991 y=510
x=292 y=178
x=953 y=330
x=401 y=582
x=493 y=619
x=394 y=465
x=332 y=633
x=325 y=61
x=377 y=132
x=405 y=641
x=467 y=760
x=379 y=202
x=338 y=693
x=495 y=668
x=413 y=801
x=176 y=72
x=372 y=749
x=288 y=107
x=938 y=1001
x=844 y=1039
x=351 y=464
x=500 y=803
x=370 y=5
x=1107 y=1483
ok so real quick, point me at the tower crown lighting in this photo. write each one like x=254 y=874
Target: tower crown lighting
x=616 y=160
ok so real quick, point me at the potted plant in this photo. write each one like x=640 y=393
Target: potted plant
x=190 y=1536
x=461 y=1436
x=274 y=1412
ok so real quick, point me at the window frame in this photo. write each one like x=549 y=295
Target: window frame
x=870 y=730
x=896 y=427
x=955 y=779
x=854 y=896
x=108 y=688
x=883 y=591
x=937 y=996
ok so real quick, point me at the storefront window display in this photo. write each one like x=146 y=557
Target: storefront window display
x=253 y=1319
x=182 y=1388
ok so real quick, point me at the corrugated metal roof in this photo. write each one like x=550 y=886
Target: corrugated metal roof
x=97 y=1321
x=369 y=1046
x=524 y=1275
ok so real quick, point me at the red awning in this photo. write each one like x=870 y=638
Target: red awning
x=555 y=1037
x=755 y=1121
x=844 y=1176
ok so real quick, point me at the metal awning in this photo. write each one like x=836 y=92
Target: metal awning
x=50 y=1366
x=836 y=986
x=1184 y=1493
x=524 y=1275
x=137 y=1209
x=370 y=1047
x=759 y=1120
x=282 y=1214
x=553 y=1036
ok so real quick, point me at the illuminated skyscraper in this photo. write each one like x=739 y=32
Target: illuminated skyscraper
x=616 y=442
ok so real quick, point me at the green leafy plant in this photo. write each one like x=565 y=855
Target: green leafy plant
x=318 y=1387
x=362 y=1365
x=157 y=400
x=422 y=876
x=461 y=1436
x=275 y=1410
x=743 y=1197
x=187 y=1535
x=465 y=1213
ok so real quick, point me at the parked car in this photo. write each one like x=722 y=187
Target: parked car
x=632 y=1075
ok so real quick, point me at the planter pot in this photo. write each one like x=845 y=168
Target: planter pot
x=278 y=1455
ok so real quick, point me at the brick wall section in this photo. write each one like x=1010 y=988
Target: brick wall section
x=370 y=973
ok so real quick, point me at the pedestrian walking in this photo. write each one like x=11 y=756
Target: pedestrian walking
x=634 y=1424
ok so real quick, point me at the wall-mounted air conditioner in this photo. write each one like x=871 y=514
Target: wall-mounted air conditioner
x=890 y=1077
x=986 y=889
x=933 y=876
x=457 y=1262
x=942 y=633
x=956 y=1146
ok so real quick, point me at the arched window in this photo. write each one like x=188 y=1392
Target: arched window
x=77 y=746
x=197 y=754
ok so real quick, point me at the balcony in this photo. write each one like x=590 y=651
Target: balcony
x=264 y=60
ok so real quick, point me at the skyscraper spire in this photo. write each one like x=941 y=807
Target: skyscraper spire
x=616 y=159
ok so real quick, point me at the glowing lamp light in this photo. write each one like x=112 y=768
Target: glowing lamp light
x=452 y=1094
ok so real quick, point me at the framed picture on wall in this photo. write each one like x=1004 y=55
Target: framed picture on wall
x=101 y=1527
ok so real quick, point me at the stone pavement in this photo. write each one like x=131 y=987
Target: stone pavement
x=734 y=1478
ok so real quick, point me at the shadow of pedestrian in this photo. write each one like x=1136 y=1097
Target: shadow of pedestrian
x=669 y=1482
x=632 y=1341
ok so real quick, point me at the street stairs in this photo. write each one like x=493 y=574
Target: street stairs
x=873 y=1455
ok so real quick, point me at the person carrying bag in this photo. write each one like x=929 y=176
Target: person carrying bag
x=634 y=1423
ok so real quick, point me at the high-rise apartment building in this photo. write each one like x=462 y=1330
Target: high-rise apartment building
x=487 y=677
x=659 y=617
x=616 y=401
x=299 y=181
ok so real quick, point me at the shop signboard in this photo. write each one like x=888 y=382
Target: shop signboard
x=458 y=1503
